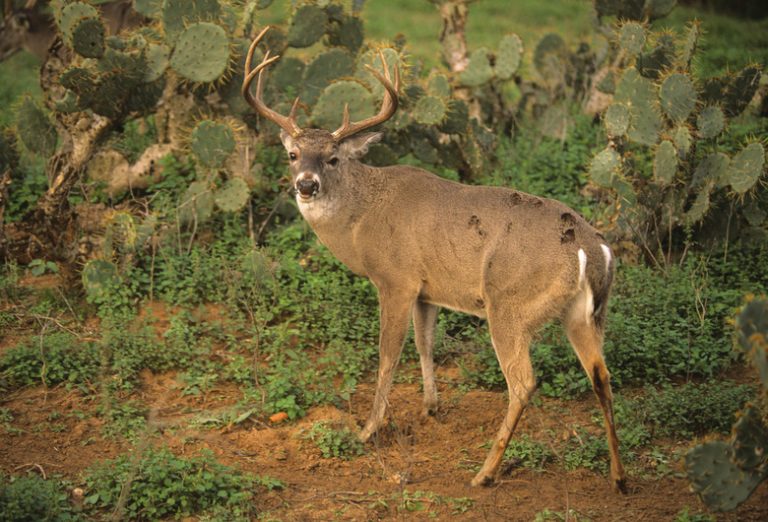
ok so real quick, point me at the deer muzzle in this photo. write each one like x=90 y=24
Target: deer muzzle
x=307 y=187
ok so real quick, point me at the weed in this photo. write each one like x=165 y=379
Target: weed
x=38 y=267
x=124 y=419
x=30 y=497
x=694 y=409
x=527 y=453
x=685 y=515
x=162 y=485
x=334 y=440
x=547 y=515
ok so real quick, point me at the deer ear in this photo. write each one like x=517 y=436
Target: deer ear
x=287 y=140
x=356 y=146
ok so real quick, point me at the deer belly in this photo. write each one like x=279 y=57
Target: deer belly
x=472 y=303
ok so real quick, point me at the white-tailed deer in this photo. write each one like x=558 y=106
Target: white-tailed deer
x=425 y=242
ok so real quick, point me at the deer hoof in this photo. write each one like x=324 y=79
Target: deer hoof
x=430 y=410
x=620 y=486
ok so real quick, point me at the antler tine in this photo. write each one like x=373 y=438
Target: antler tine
x=288 y=124
x=388 y=106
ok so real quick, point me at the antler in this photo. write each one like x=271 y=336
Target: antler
x=288 y=124
x=388 y=106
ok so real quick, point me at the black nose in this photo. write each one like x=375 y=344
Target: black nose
x=307 y=187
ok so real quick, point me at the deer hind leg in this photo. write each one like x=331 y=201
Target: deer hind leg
x=395 y=315
x=512 y=351
x=424 y=321
x=587 y=339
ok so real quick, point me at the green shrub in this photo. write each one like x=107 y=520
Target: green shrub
x=528 y=453
x=694 y=409
x=56 y=358
x=163 y=485
x=335 y=440
x=34 y=499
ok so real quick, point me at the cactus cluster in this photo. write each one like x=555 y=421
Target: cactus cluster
x=35 y=129
x=658 y=103
x=485 y=66
x=724 y=474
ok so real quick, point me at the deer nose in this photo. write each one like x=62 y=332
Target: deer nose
x=307 y=187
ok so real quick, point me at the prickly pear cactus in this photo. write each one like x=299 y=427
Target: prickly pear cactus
x=201 y=53
x=35 y=129
x=725 y=474
x=212 y=142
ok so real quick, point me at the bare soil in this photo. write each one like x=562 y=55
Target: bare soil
x=417 y=468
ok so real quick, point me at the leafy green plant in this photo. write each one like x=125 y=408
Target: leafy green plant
x=161 y=484
x=38 y=267
x=31 y=497
x=528 y=453
x=335 y=440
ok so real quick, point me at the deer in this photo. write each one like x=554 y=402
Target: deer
x=426 y=243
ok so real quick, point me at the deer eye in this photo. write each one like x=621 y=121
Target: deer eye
x=292 y=156
x=333 y=162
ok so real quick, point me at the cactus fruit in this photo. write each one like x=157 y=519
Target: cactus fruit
x=430 y=110
x=307 y=26
x=605 y=167
x=710 y=122
x=326 y=67
x=97 y=276
x=35 y=129
x=212 y=143
x=678 y=97
x=508 y=56
x=329 y=108
x=479 y=70
x=713 y=475
x=639 y=94
x=665 y=163
x=196 y=204
x=632 y=38
x=746 y=167
x=233 y=196
x=616 y=119
x=201 y=53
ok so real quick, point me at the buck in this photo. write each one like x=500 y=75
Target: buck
x=425 y=242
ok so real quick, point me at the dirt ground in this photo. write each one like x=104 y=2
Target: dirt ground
x=417 y=468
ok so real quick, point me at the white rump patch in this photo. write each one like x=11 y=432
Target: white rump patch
x=582 y=268
x=607 y=253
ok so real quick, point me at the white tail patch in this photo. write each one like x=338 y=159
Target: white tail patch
x=582 y=268
x=586 y=300
x=607 y=253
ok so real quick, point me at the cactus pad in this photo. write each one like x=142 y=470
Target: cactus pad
x=681 y=136
x=678 y=97
x=700 y=205
x=616 y=119
x=665 y=163
x=97 y=276
x=746 y=168
x=177 y=14
x=196 y=204
x=710 y=122
x=750 y=439
x=688 y=47
x=202 y=53
x=508 y=56
x=35 y=129
x=740 y=90
x=157 y=61
x=148 y=8
x=659 y=59
x=479 y=70
x=87 y=38
x=639 y=94
x=718 y=481
x=347 y=32
x=752 y=327
x=438 y=85
x=632 y=38
x=329 y=108
x=212 y=143
x=605 y=166
x=713 y=167
x=457 y=118
x=430 y=110
x=326 y=67
x=307 y=26
x=548 y=58
x=371 y=58
x=233 y=196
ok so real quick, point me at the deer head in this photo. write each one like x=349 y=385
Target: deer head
x=315 y=155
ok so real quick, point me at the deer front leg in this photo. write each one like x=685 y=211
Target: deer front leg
x=424 y=321
x=395 y=316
